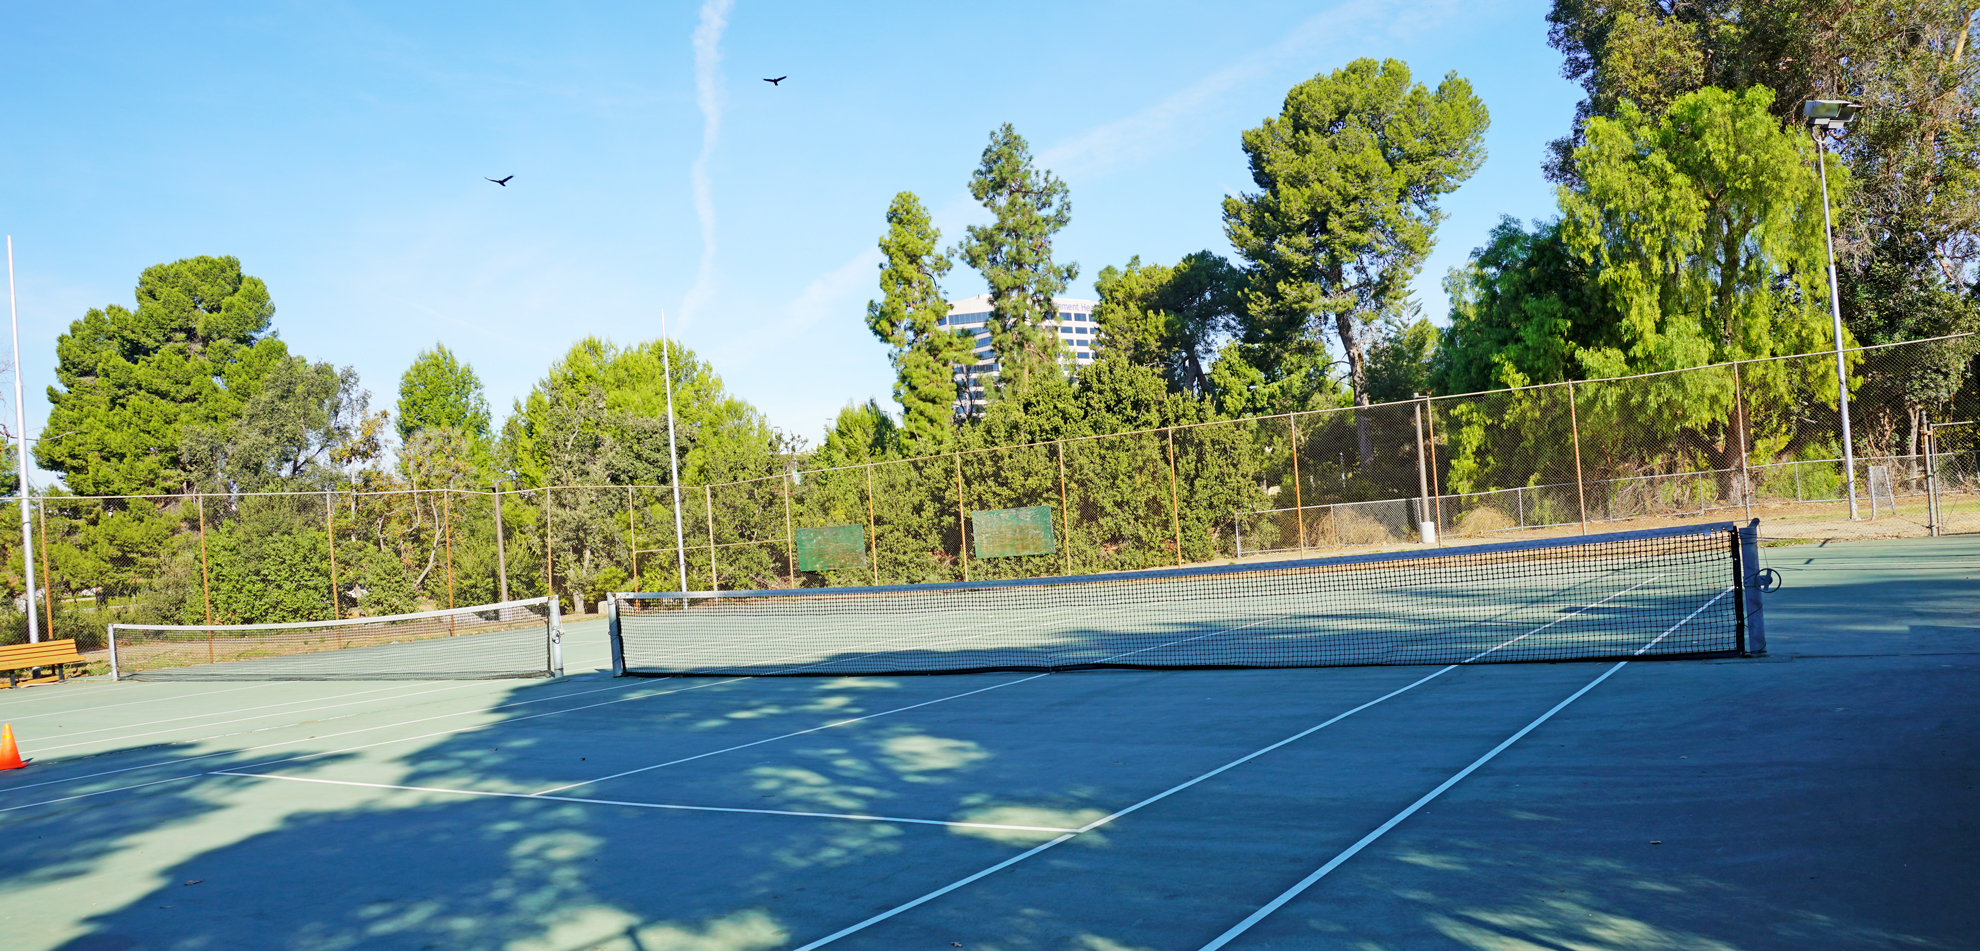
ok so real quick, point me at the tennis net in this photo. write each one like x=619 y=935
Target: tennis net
x=1661 y=592
x=511 y=639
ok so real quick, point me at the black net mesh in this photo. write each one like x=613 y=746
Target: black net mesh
x=1652 y=593
x=482 y=642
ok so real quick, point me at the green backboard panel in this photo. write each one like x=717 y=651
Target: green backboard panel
x=1001 y=533
x=834 y=546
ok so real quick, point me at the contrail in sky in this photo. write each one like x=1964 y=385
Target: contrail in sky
x=707 y=82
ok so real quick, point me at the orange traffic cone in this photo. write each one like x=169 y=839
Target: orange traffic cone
x=10 y=756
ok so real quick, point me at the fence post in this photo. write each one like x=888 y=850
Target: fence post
x=330 y=526
x=549 y=545
x=708 y=506
x=1580 y=490
x=872 y=529
x=1299 y=510
x=790 y=533
x=962 y=522
x=1926 y=442
x=1065 y=513
x=1175 y=500
x=632 y=537
x=205 y=572
x=1430 y=441
x=47 y=576
x=1745 y=470
x=1425 y=527
x=447 y=528
x=501 y=553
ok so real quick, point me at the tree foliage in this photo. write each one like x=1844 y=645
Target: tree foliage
x=1014 y=255
x=1522 y=310
x=1349 y=175
x=1169 y=317
x=908 y=319
x=131 y=382
x=1705 y=224
x=439 y=390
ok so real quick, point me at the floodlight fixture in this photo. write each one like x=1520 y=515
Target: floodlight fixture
x=1830 y=113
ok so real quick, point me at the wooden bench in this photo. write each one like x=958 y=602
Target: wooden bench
x=15 y=658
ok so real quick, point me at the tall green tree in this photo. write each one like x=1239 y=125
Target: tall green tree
x=439 y=390
x=908 y=318
x=192 y=353
x=1706 y=225
x=1014 y=255
x=1169 y=317
x=1522 y=309
x=1349 y=175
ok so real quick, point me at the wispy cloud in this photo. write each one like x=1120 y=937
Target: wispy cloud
x=707 y=95
x=836 y=294
x=1123 y=140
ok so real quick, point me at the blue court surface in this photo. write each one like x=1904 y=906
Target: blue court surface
x=1822 y=796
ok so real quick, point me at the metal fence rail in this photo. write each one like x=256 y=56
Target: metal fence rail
x=1760 y=437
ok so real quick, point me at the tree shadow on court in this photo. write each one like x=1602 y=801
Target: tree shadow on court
x=294 y=865
x=275 y=864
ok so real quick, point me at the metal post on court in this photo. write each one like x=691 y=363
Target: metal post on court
x=614 y=637
x=557 y=639
x=1752 y=585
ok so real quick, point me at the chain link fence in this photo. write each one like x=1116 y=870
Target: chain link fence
x=1760 y=438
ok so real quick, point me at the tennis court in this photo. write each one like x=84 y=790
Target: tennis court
x=1822 y=795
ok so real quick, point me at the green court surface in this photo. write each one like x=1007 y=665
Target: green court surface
x=1822 y=796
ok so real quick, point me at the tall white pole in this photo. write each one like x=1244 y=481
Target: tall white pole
x=20 y=448
x=673 y=454
x=1835 y=313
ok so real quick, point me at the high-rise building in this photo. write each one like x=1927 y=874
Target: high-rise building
x=1074 y=325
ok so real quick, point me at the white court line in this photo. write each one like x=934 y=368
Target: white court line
x=786 y=736
x=126 y=703
x=1013 y=860
x=349 y=749
x=1348 y=853
x=222 y=713
x=860 y=817
x=1103 y=820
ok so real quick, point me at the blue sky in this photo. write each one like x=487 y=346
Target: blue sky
x=339 y=151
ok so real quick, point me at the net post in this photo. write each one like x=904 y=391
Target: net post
x=1752 y=615
x=115 y=674
x=556 y=622
x=612 y=634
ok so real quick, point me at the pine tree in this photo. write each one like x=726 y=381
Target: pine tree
x=1014 y=255
x=908 y=318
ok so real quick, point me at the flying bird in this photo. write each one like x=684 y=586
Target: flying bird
x=779 y=79
x=504 y=182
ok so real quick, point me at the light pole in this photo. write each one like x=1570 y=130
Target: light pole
x=1834 y=114
x=21 y=451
